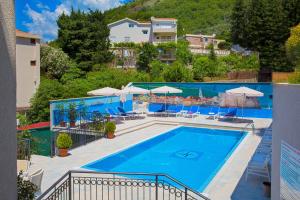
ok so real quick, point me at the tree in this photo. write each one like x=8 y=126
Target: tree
x=293 y=46
x=292 y=9
x=183 y=53
x=238 y=23
x=200 y=67
x=85 y=38
x=212 y=55
x=266 y=31
x=147 y=53
x=156 y=69
x=177 y=72
x=48 y=90
x=54 y=62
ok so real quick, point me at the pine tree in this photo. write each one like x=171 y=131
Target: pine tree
x=266 y=31
x=292 y=9
x=238 y=23
x=85 y=38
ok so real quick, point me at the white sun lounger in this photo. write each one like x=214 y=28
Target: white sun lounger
x=259 y=165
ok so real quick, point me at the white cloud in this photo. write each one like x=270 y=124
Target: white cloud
x=43 y=22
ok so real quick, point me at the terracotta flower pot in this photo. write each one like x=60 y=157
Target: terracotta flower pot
x=72 y=124
x=63 y=152
x=110 y=135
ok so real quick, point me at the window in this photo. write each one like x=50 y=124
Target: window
x=157 y=38
x=127 y=39
x=206 y=39
x=131 y=25
x=32 y=41
x=145 y=32
x=33 y=63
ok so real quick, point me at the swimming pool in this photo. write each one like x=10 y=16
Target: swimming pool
x=191 y=155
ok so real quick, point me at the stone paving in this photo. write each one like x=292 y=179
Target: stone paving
x=229 y=182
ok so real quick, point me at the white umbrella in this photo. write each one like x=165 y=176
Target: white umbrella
x=245 y=92
x=166 y=90
x=107 y=91
x=135 y=90
x=248 y=92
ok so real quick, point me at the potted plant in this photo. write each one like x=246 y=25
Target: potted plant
x=63 y=143
x=72 y=114
x=61 y=113
x=110 y=128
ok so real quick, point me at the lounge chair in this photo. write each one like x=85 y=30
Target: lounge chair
x=35 y=178
x=259 y=165
x=183 y=111
x=174 y=110
x=129 y=114
x=114 y=115
x=214 y=114
x=193 y=113
x=231 y=114
x=156 y=109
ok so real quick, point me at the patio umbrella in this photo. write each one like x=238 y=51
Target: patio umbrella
x=166 y=90
x=107 y=91
x=135 y=90
x=245 y=92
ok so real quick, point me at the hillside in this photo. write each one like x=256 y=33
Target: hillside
x=195 y=16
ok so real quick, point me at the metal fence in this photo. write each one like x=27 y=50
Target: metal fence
x=89 y=127
x=80 y=185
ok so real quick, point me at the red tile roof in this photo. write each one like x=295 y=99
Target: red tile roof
x=33 y=126
x=23 y=34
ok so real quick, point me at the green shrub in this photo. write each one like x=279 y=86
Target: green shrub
x=26 y=189
x=110 y=127
x=64 y=141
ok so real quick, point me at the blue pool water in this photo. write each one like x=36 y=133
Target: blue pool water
x=191 y=155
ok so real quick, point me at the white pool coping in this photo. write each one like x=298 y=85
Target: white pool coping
x=222 y=186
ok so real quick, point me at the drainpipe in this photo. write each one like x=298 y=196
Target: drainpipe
x=8 y=145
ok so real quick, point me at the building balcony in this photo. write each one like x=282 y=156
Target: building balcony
x=164 y=30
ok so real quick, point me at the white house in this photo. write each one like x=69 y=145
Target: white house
x=156 y=31
x=27 y=67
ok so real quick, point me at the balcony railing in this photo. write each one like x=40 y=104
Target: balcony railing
x=80 y=185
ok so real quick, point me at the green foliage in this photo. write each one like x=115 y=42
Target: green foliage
x=295 y=78
x=64 y=141
x=262 y=26
x=84 y=37
x=293 y=46
x=26 y=189
x=72 y=73
x=177 y=72
x=193 y=16
x=183 y=54
x=48 y=90
x=147 y=53
x=156 y=69
x=224 y=45
x=212 y=54
x=292 y=8
x=200 y=67
x=110 y=127
x=72 y=112
x=54 y=62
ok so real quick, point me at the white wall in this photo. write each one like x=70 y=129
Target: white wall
x=28 y=77
x=119 y=31
x=8 y=166
x=286 y=127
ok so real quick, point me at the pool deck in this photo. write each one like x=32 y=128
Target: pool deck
x=229 y=182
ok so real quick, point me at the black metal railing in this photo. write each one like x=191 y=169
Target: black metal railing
x=82 y=185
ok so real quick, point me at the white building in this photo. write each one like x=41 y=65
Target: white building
x=156 y=31
x=27 y=67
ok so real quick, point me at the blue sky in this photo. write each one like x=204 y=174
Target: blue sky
x=39 y=16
